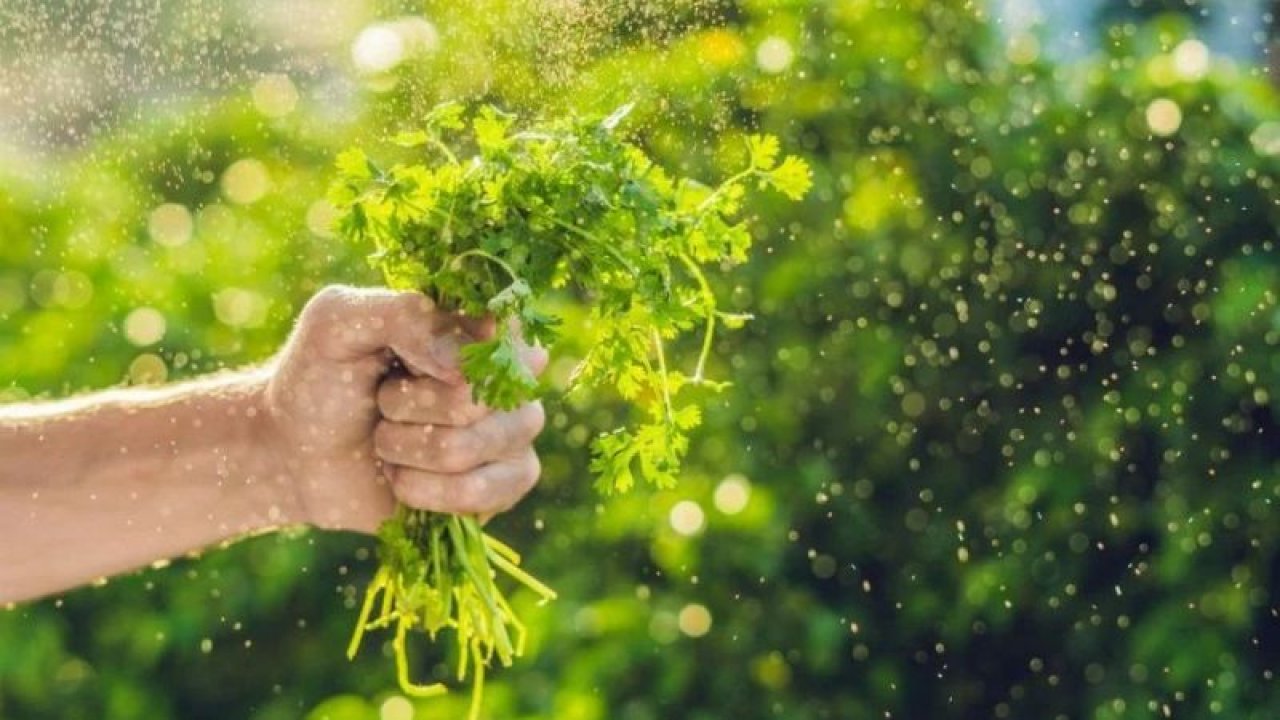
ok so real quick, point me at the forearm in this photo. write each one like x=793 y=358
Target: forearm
x=98 y=485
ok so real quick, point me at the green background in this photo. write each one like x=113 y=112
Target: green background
x=1006 y=416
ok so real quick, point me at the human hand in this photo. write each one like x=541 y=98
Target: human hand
x=367 y=405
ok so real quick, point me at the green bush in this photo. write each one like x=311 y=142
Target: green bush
x=1005 y=420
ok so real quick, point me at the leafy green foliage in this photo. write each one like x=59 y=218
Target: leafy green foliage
x=563 y=203
x=567 y=203
x=946 y=517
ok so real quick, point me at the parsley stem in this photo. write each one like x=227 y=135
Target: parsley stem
x=477 y=686
x=662 y=372
x=709 y=297
x=600 y=243
x=705 y=205
x=402 y=667
x=435 y=140
x=523 y=577
x=477 y=252
x=502 y=549
x=378 y=584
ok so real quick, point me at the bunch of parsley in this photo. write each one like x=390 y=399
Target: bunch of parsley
x=565 y=205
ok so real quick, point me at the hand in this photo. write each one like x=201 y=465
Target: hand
x=368 y=405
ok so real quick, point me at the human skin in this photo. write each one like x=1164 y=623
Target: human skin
x=363 y=407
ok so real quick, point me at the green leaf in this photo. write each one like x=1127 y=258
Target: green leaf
x=353 y=164
x=539 y=327
x=510 y=299
x=446 y=115
x=498 y=374
x=412 y=138
x=792 y=178
x=763 y=150
x=490 y=128
x=354 y=222
x=688 y=417
x=631 y=382
x=689 y=195
x=611 y=462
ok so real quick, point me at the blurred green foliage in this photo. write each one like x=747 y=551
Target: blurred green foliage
x=1002 y=443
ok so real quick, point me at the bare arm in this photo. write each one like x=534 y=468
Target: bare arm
x=332 y=433
x=97 y=485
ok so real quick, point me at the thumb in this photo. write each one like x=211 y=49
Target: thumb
x=346 y=324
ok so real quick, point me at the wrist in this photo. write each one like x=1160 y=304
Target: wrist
x=273 y=470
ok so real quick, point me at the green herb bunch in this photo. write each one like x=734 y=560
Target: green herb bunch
x=488 y=218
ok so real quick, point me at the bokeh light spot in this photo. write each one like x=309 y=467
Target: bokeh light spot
x=237 y=307
x=245 y=181
x=275 y=95
x=694 y=620
x=321 y=217
x=396 y=707
x=1266 y=139
x=1191 y=59
x=377 y=48
x=144 y=326
x=382 y=46
x=1023 y=49
x=732 y=494
x=687 y=518
x=913 y=404
x=72 y=289
x=774 y=54
x=148 y=369
x=170 y=225
x=1164 y=117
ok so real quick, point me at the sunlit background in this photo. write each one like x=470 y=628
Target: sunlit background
x=1002 y=440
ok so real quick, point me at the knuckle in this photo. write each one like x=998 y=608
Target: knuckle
x=465 y=411
x=421 y=490
x=327 y=298
x=415 y=303
x=407 y=488
x=455 y=451
x=318 y=323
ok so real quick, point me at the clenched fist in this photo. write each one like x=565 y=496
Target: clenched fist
x=367 y=405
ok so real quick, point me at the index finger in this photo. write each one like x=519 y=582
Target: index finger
x=345 y=324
